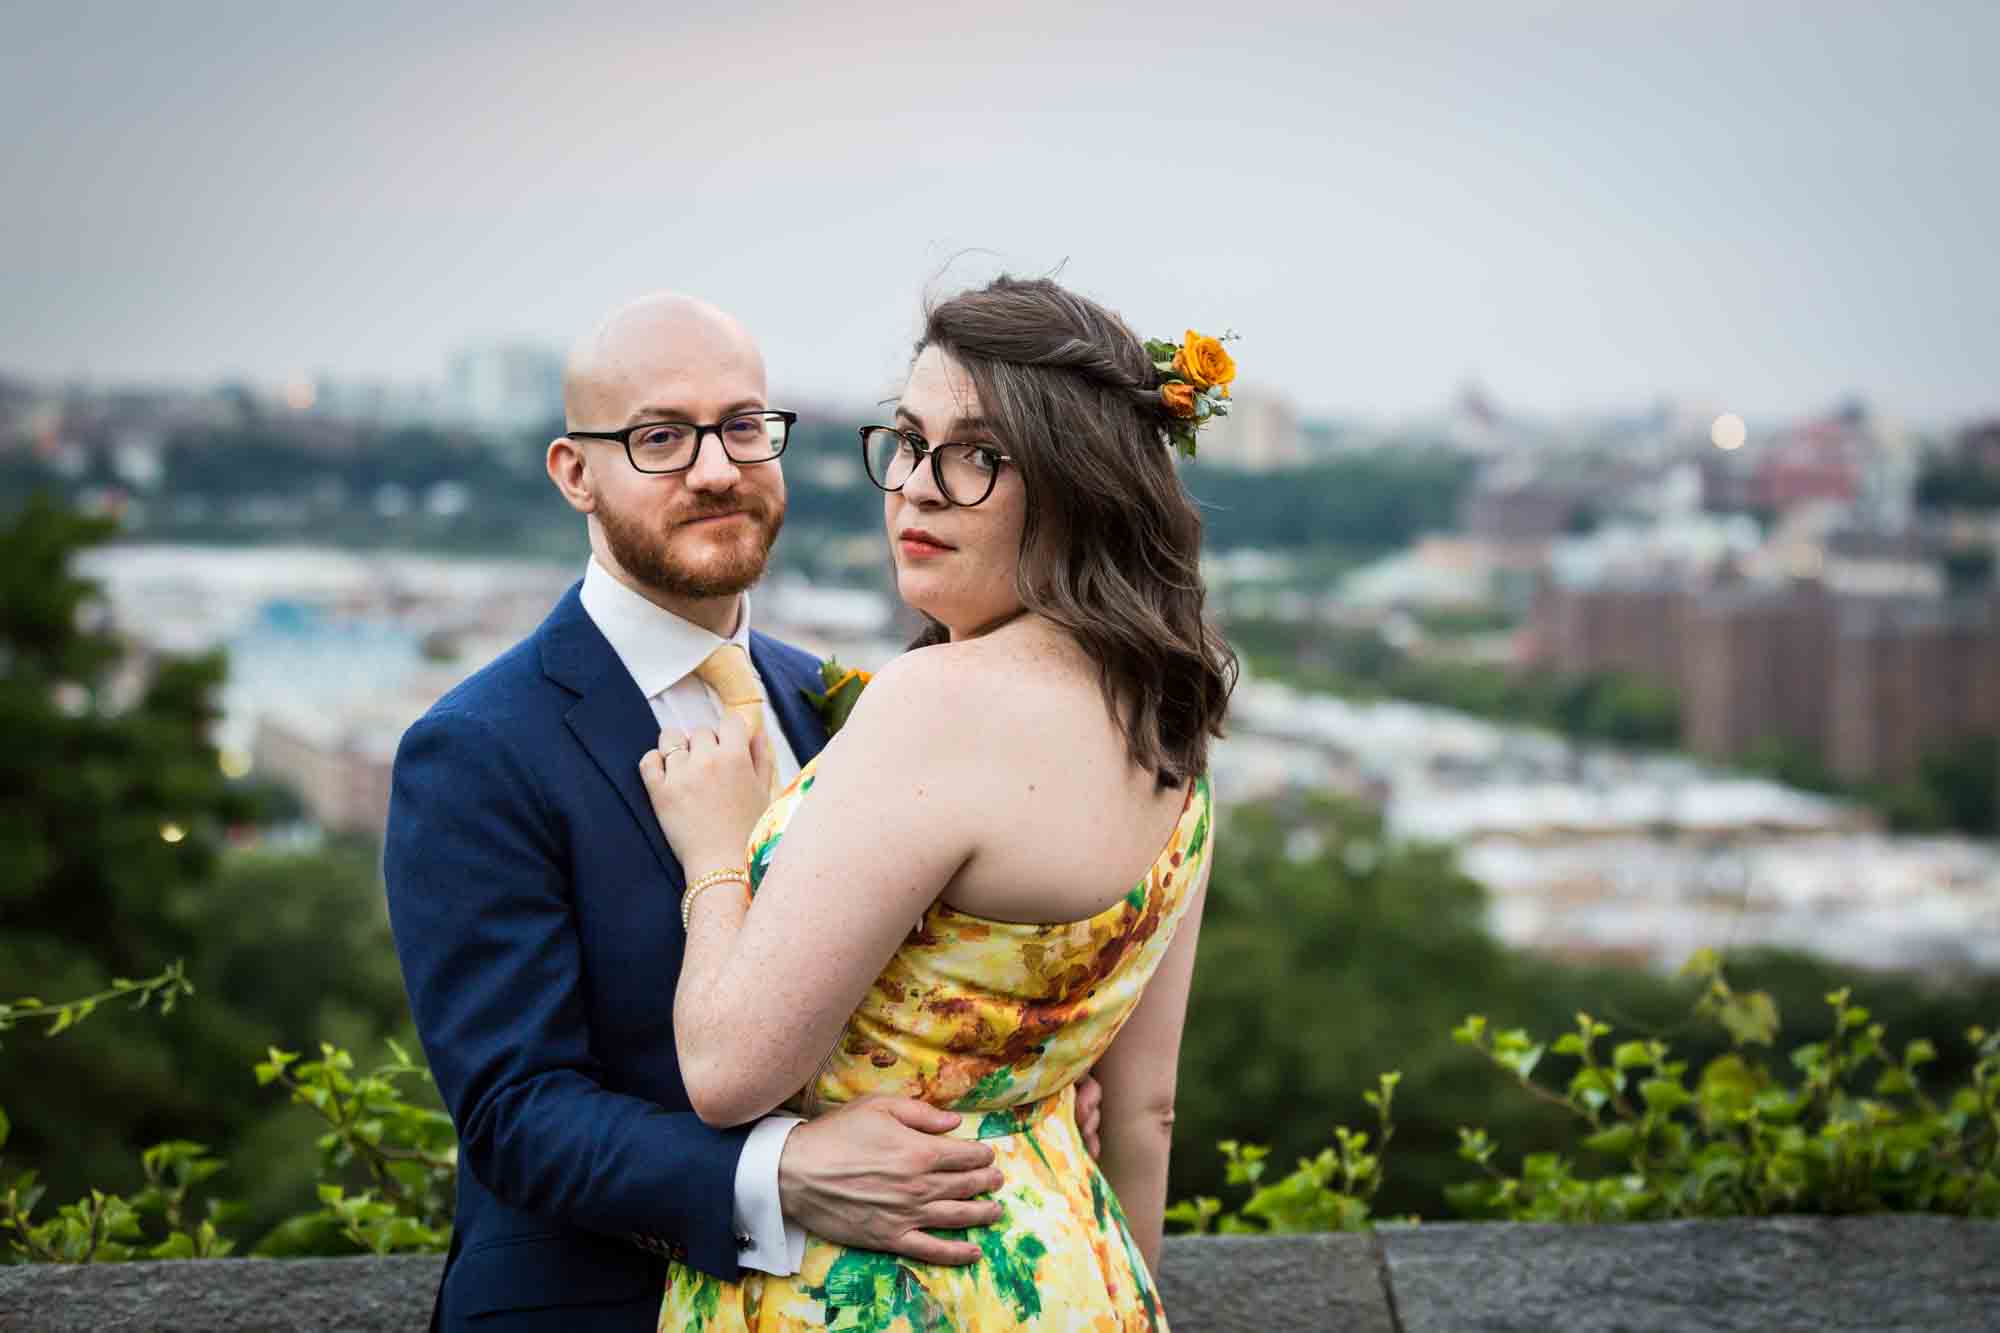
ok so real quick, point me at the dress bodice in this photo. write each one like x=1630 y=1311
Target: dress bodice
x=975 y=1014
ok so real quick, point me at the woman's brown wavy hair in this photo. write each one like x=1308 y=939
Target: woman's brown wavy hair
x=1111 y=547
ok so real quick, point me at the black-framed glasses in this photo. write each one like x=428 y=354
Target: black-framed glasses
x=673 y=446
x=965 y=473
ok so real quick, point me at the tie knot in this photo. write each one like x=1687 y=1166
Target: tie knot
x=728 y=672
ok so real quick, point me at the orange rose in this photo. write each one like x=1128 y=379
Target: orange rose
x=1203 y=362
x=1179 y=397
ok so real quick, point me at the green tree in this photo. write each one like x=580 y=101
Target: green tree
x=1958 y=483
x=113 y=810
x=1329 y=953
x=114 y=822
x=112 y=804
x=1370 y=502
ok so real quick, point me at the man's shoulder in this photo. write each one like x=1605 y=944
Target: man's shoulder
x=786 y=656
x=509 y=689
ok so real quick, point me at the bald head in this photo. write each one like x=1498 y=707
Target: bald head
x=655 y=350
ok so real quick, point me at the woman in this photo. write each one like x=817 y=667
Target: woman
x=1028 y=785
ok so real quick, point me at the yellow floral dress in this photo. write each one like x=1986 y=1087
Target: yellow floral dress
x=998 y=1020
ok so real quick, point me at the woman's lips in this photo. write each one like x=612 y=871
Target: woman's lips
x=918 y=544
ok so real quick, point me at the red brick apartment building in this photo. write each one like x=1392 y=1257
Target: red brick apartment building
x=1869 y=684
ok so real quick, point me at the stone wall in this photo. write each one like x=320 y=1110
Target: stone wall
x=1832 y=1275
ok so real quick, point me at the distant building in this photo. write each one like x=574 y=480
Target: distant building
x=1446 y=570
x=1512 y=504
x=1818 y=461
x=1752 y=661
x=1866 y=465
x=1636 y=629
x=1979 y=444
x=342 y=778
x=1908 y=677
x=1475 y=423
x=1261 y=434
x=375 y=402
x=1870 y=684
x=505 y=386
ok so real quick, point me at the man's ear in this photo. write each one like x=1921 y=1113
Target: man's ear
x=570 y=471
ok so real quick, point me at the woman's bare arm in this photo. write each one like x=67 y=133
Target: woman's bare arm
x=1138 y=1075
x=895 y=810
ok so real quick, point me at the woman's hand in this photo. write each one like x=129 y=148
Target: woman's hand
x=708 y=787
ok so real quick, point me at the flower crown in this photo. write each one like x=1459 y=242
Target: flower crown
x=1193 y=378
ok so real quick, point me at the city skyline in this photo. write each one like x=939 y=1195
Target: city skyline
x=1578 y=207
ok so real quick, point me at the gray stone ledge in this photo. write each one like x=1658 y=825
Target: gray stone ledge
x=1830 y=1275
x=1275 y=1284
x=1825 y=1274
x=221 y=1296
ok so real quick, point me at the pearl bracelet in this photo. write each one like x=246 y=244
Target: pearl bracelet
x=732 y=875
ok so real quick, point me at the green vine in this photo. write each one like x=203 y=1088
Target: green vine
x=1855 y=1132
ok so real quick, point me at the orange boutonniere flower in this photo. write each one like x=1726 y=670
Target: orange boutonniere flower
x=1180 y=399
x=843 y=691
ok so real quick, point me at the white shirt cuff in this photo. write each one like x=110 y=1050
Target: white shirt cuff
x=765 y=1240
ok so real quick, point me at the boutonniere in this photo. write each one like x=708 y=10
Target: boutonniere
x=842 y=692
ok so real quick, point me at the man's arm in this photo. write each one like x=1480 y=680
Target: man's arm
x=483 y=925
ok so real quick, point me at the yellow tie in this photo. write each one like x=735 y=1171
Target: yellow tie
x=728 y=672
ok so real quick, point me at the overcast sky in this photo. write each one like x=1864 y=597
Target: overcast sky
x=1753 y=206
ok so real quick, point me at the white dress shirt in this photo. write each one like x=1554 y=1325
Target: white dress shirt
x=661 y=651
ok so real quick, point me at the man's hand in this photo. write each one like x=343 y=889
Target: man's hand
x=875 y=1174
x=1089 y=1113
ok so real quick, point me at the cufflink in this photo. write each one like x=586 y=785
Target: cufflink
x=744 y=1242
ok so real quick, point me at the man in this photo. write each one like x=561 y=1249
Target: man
x=536 y=904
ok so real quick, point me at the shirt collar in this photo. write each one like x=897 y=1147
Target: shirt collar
x=657 y=647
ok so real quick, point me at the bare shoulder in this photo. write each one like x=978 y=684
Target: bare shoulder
x=909 y=709
x=912 y=672
x=909 y=691
x=976 y=697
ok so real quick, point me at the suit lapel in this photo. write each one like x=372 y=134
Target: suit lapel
x=610 y=719
x=802 y=724
x=617 y=727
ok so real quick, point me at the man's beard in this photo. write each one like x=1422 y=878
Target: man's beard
x=642 y=552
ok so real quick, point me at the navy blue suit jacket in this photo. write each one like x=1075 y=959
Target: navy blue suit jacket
x=536 y=909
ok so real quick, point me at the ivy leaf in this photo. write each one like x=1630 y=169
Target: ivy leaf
x=180 y=1245
x=1616 y=1141
x=1751 y=1018
x=1727 y=1086
x=1894 y=1083
x=1664 y=1095
x=1513 y=1051
x=1703 y=963
x=1591 y=1087
x=1632 y=1055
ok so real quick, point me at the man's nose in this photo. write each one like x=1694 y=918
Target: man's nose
x=713 y=468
